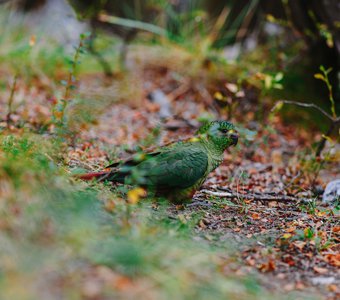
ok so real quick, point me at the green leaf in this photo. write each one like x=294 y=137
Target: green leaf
x=278 y=76
x=308 y=232
x=319 y=76
x=82 y=50
x=69 y=61
x=268 y=82
x=329 y=139
x=328 y=71
x=270 y=18
x=278 y=86
x=85 y=35
x=218 y=96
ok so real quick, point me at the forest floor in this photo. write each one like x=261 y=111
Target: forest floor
x=257 y=215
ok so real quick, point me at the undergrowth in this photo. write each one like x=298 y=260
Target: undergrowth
x=56 y=230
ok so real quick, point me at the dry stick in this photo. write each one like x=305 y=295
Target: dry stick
x=335 y=121
x=182 y=89
x=10 y=100
x=257 y=197
x=291 y=181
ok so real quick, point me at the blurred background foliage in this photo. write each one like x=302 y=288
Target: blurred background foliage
x=292 y=37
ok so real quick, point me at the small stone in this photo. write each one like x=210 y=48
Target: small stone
x=322 y=280
x=332 y=192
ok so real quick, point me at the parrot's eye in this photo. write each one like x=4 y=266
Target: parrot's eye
x=224 y=130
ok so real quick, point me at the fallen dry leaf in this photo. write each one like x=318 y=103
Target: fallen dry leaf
x=135 y=194
x=286 y=236
x=332 y=288
x=267 y=267
x=291 y=229
x=255 y=216
x=110 y=206
x=299 y=244
x=123 y=283
x=250 y=261
x=333 y=259
x=336 y=229
x=289 y=287
x=300 y=286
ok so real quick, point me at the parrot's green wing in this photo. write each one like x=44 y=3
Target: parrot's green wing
x=133 y=161
x=180 y=167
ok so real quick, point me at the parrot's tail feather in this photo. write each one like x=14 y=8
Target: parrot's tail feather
x=94 y=175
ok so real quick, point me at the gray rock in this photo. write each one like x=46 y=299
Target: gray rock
x=332 y=192
x=158 y=97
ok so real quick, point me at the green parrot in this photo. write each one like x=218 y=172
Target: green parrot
x=178 y=170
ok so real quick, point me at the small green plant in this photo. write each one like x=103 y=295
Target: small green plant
x=58 y=114
x=315 y=163
x=324 y=78
x=25 y=51
x=270 y=81
x=309 y=207
x=266 y=83
x=334 y=119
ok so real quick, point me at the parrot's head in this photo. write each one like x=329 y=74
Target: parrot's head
x=221 y=133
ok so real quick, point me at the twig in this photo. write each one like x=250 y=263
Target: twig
x=10 y=100
x=182 y=89
x=291 y=181
x=312 y=105
x=257 y=197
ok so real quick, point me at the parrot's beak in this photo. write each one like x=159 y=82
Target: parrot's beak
x=234 y=138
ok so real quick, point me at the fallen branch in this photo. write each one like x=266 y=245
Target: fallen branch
x=256 y=196
x=310 y=105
